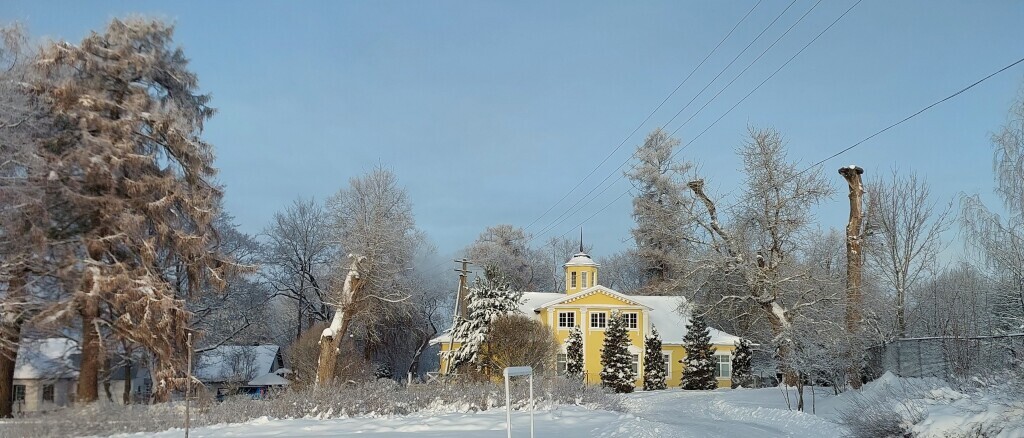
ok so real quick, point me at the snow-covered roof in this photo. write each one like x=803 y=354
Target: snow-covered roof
x=228 y=363
x=50 y=358
x=664 y=313
x=581 y=259
x=270 y=379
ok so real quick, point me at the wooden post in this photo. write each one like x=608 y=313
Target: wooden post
x=854 y=269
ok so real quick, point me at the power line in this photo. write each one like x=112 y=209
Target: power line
x=885 y=129
x=568 y=212
x=694 y=139
x=646 y=119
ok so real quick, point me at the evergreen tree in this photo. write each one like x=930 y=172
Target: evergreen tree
x=741 y=363
x=487 y=299
x=659 y=211
x=574 y=354
x=699 y=363
x=654 y=363
x=616 y=362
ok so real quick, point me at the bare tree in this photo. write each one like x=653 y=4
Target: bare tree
x=518 y=340
x=905 y=235
x=752 y=263
x=624 y=271
x=297 y=254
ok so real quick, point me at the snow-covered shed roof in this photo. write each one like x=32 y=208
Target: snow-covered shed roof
x=228 y=363
x=49 y=358
x=270 y=379
x=664 y=313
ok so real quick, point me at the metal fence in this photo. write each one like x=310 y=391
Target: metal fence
x=942 y=356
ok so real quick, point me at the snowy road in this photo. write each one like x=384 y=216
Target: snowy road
x=673 y=413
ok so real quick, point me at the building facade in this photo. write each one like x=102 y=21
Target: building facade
x=588 y=305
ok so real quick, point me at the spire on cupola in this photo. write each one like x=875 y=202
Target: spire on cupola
x=580 y=271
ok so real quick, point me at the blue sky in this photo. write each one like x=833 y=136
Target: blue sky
x=489 y=112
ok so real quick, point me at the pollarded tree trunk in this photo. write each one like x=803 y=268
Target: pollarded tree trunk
x=331 y=337
x=854 y=267
x=89 y=369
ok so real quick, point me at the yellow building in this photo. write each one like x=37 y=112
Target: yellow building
x=589 y=305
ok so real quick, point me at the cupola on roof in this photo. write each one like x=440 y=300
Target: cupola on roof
x=581 y=259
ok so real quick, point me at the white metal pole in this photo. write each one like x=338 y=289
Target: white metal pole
x=188 y=383
x=531 y=405
x=508 y=408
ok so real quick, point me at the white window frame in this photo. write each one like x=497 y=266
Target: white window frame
x=604 y=320
x=572 y=280
x=583 y=279
x=561 y=363
x=667 y=357
x=719 y=363
x=52 y=390
x=16 y=395
x=571 y=320
x=636 y=320
x=635 y=364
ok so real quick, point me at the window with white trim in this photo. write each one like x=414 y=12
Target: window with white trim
x=584 y=278
x=572 y=279
x=48 y=393
x=18 y=394
x=566 y=319
x=668 y=363
x=635 y=364
x=630 y=320
x=561 y=363
x=598 y=320
x=723 y=370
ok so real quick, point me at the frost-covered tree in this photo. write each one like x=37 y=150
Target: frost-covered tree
x=505 y=248
x=748 y=266
x=131 y=188
x=699 y=362
x=616 y=361
x=654 y=362
x=997 y=235
x=488 y=299
x=661 y=230
x=623 y=271
x=520 y=340
x=741 y=363
x=574 y=354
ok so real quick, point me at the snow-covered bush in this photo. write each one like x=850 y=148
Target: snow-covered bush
x=933 y=408
x=372 y=398
x=699 y=362
x=654 y=364
x=616 y=362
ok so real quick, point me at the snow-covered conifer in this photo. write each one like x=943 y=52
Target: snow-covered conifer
x=699 y=364
x=487 y=299
x=741 y=363
x=574 y=354
x=654 y=363
x=616 y=361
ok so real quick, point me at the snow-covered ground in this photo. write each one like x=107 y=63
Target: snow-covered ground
x=670 y=413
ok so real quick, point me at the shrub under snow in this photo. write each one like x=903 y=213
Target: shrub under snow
x=380 y=398
x=930 y=407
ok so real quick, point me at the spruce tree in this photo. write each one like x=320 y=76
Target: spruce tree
x=487 y=299
x=654 y=363
x=574 y=354
x=741 y=363
x=616 y=361
x=699 y=363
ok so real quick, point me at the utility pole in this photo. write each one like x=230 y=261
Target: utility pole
x=854 y=267
x=460 y=307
